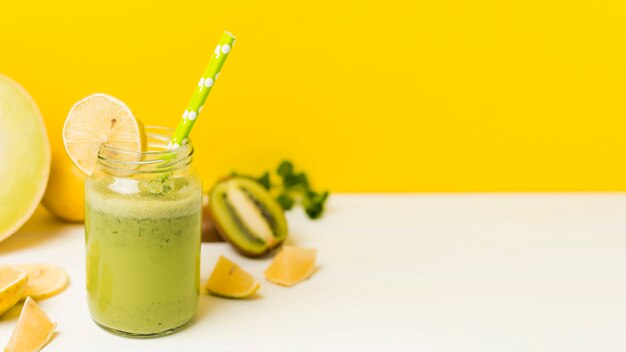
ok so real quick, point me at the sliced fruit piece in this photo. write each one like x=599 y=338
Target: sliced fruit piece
x=247 y=216
x=13 y=281
x=249 y=212
x=99 y=119
x=24 y=156
x=230 y=281
x=33 y=330
x=44 y=280
x=291 y=266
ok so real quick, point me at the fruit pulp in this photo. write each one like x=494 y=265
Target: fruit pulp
x=143 y=255
x=24 y=156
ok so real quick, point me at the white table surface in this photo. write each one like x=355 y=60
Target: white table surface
x=395 y=273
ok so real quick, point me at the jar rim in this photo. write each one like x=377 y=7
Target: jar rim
x=158 y=157
x=161 y=134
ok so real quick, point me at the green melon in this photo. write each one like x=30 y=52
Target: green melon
x=24 y=156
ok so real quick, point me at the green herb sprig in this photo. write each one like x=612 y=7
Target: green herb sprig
x=293 y=189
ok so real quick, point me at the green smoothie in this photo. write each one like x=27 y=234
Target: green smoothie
x=143 y=254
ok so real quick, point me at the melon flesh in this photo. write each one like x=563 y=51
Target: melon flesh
x=24 y=156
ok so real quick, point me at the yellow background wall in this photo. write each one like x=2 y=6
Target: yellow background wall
x=483 y=95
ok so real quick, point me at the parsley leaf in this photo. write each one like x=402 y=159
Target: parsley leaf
x=313 y=203
x=293 y=188
x=285 y=200
x=284 y=168
x=264 y=180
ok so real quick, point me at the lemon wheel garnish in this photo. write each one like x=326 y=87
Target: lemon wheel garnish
x=44 y=280
x=13 y=281
x=291 y=265
x=99 y=119
x=230 y=281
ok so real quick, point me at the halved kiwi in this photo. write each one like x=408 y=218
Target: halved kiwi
x=247 y=216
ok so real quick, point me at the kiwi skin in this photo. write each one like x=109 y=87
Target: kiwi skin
x=220 y=230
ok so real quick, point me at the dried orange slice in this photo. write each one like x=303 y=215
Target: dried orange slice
x=291 y=266
x=13 y=281
x=44 y=280
x=230 y=281
x=99 y=119
x=33 y=330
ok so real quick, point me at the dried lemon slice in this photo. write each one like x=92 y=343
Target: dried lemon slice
x=230 y=281
x=33 y=330
x=291 y=266
x=13 y=281
x=44 y=280
x=99 y=119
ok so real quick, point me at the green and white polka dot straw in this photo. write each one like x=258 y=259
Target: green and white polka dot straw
x=211 y=73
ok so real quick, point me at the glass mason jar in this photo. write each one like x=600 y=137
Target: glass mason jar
x=143 y=216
